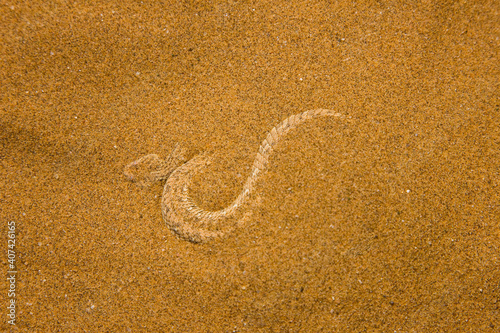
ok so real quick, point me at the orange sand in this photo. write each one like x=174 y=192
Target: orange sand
x=388 y=221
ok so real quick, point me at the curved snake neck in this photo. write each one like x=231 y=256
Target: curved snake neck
x=181 y=213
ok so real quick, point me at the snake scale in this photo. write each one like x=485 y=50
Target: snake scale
x=180 y=212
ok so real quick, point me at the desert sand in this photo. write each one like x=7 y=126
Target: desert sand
x=386 y=220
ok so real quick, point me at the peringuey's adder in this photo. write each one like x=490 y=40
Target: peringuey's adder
x=180 y=212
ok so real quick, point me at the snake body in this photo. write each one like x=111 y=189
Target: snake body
x=180 y=212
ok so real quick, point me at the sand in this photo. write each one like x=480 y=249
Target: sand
x=386 y=221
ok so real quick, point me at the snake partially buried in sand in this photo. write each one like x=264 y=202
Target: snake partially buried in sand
x=180 y=212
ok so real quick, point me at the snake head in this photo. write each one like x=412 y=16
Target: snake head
x=142 y=170
x=151 y=168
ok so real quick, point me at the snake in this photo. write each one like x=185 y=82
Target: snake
x=180 y=212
